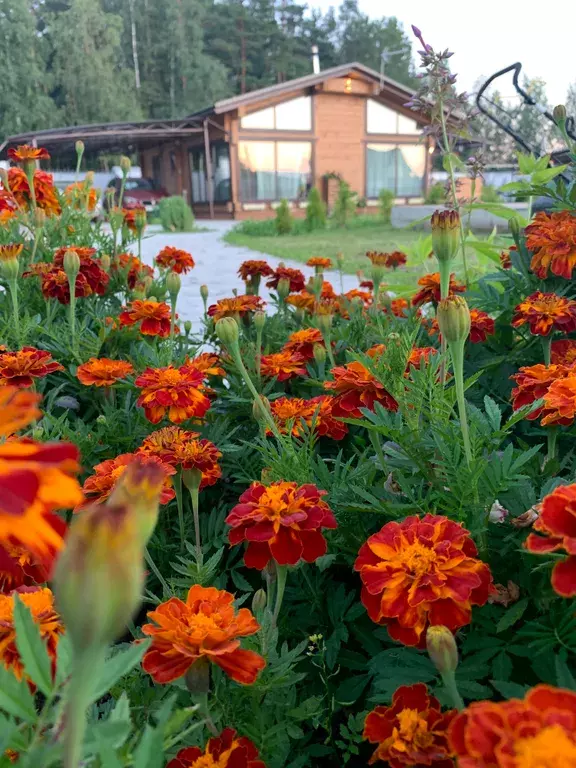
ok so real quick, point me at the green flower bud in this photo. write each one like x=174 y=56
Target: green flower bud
x=125 y=165
x=324 y=323
x=445 y=234
x=39 y=217
x=283 y=288
x=89 y=178
x=259 y=601
x=197 y=678
x=319 y=351
x=105 y=262
x=259 y=407
x=204 y=292
x=79 y=147
x=71 y=264
x=259 y=320
x=453 y=318
x=227 y=331
x=559 y=113
x=187 y=326
x=173 y=284
x=442 y=649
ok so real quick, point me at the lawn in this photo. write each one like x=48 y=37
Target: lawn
x=353 y=244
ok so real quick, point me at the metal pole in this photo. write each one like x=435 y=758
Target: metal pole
x=208 y=166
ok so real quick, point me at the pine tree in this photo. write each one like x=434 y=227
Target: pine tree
x=531 y=124
x=571 y=101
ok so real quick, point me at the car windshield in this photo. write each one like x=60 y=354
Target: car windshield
x=132 y=184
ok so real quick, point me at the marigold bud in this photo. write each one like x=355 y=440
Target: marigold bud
x=316 y=283
x=125 y=165
x=453 y=318
x=258 y=408
x=173 y=284
x=139 y=490
x=340 y=259
x=514 y=227
x=39 y=217
x=10 y=269
x=319 y=351
x=89 y=178
x=227 y=331
x=259 y=320
x=71 y=264
x=283 y=288
x=197 y=678
x=79 y=147
x=105 y=262
x=4 y=178
x=445 y=234
x=204 y=292
x=442 y=649
x=187 y=326
x=559 y=113
x=259 y=601
x=324 y=323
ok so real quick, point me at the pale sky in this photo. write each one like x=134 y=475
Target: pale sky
x=491 y=34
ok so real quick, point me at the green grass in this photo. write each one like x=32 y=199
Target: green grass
x=354 y=242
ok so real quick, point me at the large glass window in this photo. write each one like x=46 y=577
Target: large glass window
x=399 y=168
x=220 y=174
x=382 y=119
x=270 y=170
x=293 y=115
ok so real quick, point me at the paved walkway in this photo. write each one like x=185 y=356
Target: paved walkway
x=217 y=265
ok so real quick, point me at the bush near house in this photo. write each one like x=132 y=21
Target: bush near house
x=175 y=214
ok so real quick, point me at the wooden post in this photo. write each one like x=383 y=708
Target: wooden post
x=208 y=166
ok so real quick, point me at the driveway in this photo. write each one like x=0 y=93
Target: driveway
x=217 y=265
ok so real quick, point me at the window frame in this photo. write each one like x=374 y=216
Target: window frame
x=397 y=145
x=398 y=115
x=199 y=150
x=304 y=131
x=275 y=142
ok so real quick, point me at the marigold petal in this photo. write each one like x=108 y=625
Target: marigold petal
x=241 y=665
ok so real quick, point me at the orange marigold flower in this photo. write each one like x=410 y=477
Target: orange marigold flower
x=413 y=730
x=55 y=285
x=563 y=352
x=40 y=602
x=38 y=269
x=6 y=214
x=391 y=260
x=365 y=296
x=376 y=351
x=545 y=312
x=533 y=383
x=208 y=363
x=46 y=196
x=90 y=269
x=17 y=409
x=283 y=365
x=99 y=486
x=552 y=239
x=25 y=152
x=292 y=411
x=398 y=307
x=206 y=626
x=81 y=196
x=134 y=217
x=560 y=401
x=175 y=392
x=167 y=443
x=201 y=455
x=302 y=342
x=238 y=306
x=280 y=522
x=153 y=317
x=252 y=268
x=557 y=524
x=19 y=567
x=294 y=276
x=418 y=354
x=319 y=261
x=303 y=300
x=10 y=252
x=538 y=731
x=225 y=751
x=481 y=326
x=103 y=372
x=22 y=367
x=176 y=259
x=133 y=268
x=430 y=291
x=421 y=572
x=356 y=387
x=505 y=260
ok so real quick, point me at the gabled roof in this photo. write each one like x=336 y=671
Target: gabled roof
x=308 y=81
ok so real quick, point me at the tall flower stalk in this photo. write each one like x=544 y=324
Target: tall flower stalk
x=10 y=268
x=72 y=268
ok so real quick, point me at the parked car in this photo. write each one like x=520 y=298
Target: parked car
x=137 y=192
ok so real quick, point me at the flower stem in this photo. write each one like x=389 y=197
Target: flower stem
x=453 y=189
x=180 y=507
x=196 y=512
x=13 y=287
x=375 y=440
x=72 y=313
x=259 y=353
x=154 y=568
x=84 y=667
x=457 y=352
x=547 y=348
x=552 y=438
x=329 y=352
x=235 y=352
x=281 y=574
x=449 y=680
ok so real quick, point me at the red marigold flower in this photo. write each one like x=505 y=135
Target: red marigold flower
x=505 y=260
x=133 y=268
x=421 y=572
x=545 y=312
x=280 y=522
x=99 y=486
x=283 y=365
x=153 y=316
x=134 y=217
x=557 y=524
x=356 y=387
x=302 y=342
x=201 y=455
x=175 y=392
x=46 y=196
x=40 y=602
x=81 y=196
x=537 y=731
x=319 y=261
x=303 y=300
x=413 y=730
x=560 y=401
x=55 y=285
x=552 y=239
x=17 y=409
x=90 y=269
x=563 y=352
x=208 y=363
x=292 y=411
x=103 y=372
x=481 y=326
x=10 y=252
x=252 y=268
x=206 y=626
x=22 y=367
x=294 y=276
x=25 y=152
x=167 y=443
x=430 y=291
x=237 y=307
x=20 y=567
x=390 y=260
x=533 y=383
x=365 y=296
x=38 y=269
x=376 y=351
x=176 y=259
x=368 y=284
x=225 y=751
x=6 y=214
x=418 y=354
x=399 y=307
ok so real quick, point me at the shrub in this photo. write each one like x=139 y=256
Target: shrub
x=385 y=202
x=283 y=221
x=256 y=228
x=175 y=214
x=316 y=211
x=489 y=194
x=436 y=194
x=345 y=205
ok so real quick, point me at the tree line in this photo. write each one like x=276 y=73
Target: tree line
x=72 y=62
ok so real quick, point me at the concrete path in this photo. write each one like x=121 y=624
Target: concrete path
x=217 y=265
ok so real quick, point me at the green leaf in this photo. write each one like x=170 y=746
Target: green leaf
x=526 y=163
x=350 y=690
x=119 y=665
x=515 y=186
x=63 y=659
x=112 y=732
x=512 y=615
x=31 y=647
x=149 y=753
x=493 y=413
x=502 y=666
x=509 y=690
x=564 y=677
x=547 y=174
x=15 y=697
